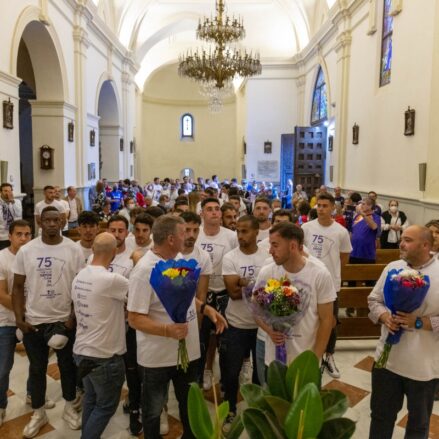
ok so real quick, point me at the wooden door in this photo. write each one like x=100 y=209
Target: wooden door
x=309 y=157
x=286 y=160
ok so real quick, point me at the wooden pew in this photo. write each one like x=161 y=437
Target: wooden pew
x=73 y=234
x=384 y=256
x=356 y=297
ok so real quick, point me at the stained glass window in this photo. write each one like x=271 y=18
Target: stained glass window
x=386 y=44
x=187 y=126
x=319 y=111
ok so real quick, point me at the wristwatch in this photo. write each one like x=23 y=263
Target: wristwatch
x=419 y=323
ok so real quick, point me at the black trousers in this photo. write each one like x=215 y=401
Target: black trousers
x=388 y=391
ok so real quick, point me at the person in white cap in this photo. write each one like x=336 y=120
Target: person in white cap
x=44 y=314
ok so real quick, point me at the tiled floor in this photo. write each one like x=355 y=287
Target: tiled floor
x=354 y=359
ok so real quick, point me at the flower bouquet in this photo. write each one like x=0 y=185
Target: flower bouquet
x=280 y=304
x=175 y=283
x=404 y=290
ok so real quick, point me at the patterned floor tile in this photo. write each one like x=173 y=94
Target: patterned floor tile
x=354 y=394
x=14 y=428
x=53 y=371
x=434 y=426
x=365 y=364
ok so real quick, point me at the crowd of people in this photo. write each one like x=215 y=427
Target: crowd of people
x=92 y=303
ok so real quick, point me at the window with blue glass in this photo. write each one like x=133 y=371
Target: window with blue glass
x=187 y=126
x=319 y=111
x=386 y=44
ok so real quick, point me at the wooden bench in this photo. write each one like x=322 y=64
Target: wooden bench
x=356 y=297
x=384 y=256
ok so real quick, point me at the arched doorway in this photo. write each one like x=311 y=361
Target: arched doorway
x=43 y=114
x=111 y=145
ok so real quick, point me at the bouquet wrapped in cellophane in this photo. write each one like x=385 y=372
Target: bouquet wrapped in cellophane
x=280 y=304
x=175 y=283
x=404 y=290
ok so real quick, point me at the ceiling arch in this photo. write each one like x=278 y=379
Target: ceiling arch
x=158 y=31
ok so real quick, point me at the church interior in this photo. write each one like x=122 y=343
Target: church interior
x=347 y=94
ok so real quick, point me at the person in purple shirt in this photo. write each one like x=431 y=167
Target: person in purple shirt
x=366 y=228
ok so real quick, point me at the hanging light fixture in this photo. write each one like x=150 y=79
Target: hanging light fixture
x=216 y=69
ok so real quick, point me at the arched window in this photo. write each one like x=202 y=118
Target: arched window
x=319 y=111
x=386 y=44
x=187 y=126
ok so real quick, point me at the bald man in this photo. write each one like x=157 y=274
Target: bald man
x=99 y=297
x=412 y=368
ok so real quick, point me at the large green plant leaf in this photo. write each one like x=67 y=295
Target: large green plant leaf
x=254 y=396
x=236 y=429
x=279 y=407
x=340 y=428
x=305 y=417
x=303 y=370
x=199 y=417
x=276 y=379
x=335 y=404
x=221 y=413
x=258 y=426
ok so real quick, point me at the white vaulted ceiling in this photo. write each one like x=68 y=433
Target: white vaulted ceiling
x=158 y=31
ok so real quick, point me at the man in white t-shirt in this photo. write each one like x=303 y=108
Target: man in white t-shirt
x=88 y=229
x=66 y=206
x=412 y=367
x=217 y=241
x=47 y=265
x=158 y=335
x=10 y=210
x=328 y=241
x=49 y=200
x=241 y=266
x=313 y=330
x=141 y=240
x=262 y=211
x=228 y=216
x=99 y=299
x=20 y=233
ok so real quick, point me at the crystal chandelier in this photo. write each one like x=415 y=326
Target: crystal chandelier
x=216 y=69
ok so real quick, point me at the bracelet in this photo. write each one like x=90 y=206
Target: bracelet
x=203 y=305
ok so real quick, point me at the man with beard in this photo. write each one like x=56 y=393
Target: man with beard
x=241 y=266
x=261 y=212
x=228 y=216
x=411 y=368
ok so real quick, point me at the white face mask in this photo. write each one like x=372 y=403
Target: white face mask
x=393 y=209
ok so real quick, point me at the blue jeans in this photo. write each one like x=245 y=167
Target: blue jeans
x=102 y=388
x=388 y=390
x=7 y=349
x=235 y=343
x=260 y=360
x=155 y=382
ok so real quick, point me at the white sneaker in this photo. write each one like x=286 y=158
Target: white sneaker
x=36 y=423
x=2 y=416
x=164 y=422
x=228 y=422
x=71 y=416
x=331 y=367
x=245 y=376
x=49 y=404
x=207 y=379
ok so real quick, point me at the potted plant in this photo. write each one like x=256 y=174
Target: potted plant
x=293 y=406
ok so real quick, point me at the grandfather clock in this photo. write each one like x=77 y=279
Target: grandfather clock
x=46 y=157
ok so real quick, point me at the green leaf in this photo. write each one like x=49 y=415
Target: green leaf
x=335 y=404
x=303 y=370
x=306 y=414
x=254 y=396
x=223 y=411
x=276 y=379
x=257 y=426
x=340 y=428
x=199 y=417
x=279 y=407
x=236 y=429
